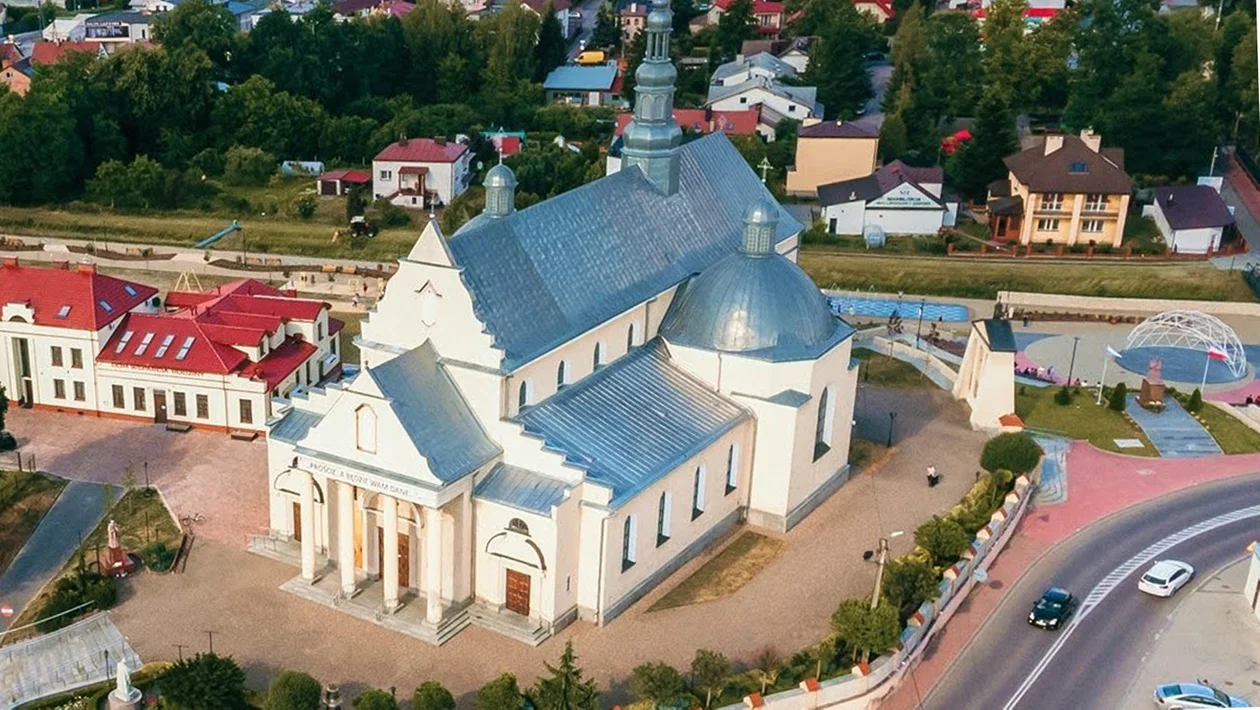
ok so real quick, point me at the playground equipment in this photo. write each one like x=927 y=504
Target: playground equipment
x=234 y=227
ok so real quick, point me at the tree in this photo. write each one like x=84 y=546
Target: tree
x=292 y=690
x=502 y=693
x=375 y=699
x=142 y=183
x=1195 y=405
x=607 y=32
x=1012 y=451
x=1119 y=397
x=1192 y=120
x=943 y=539
x=1005 y=57
x=564 y=688
x=908 y=582
x=979 y=161
x=658 y=683
x=948 y=81
x=204 y=682
x=1234 y=31
x=837 y=64
x=4 y=405
x=1133 y=115
x=709 y=671
x=734 y=26
x=1047 y=48
x=1107 y=38
x=1243 y=86
x=355 y=204
x=551 y=50
x=248 y=166
x=432 y=695
x=909 y=52
x=199 y=24
x=864 y=630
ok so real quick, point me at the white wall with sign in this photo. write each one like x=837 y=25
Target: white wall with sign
x=903 y=210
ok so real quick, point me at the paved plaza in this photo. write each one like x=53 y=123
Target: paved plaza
x=786 y=607
x=83 y=653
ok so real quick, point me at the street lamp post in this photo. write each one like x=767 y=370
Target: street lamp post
x=1076 y=339
x=892 y=421
x=919 y=329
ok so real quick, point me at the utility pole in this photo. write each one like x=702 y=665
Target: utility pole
x=179 y=648
x=211 y=635
x=1076 y=339
x=879 y=574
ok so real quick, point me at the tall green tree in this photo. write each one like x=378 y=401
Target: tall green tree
x=657 y=683
x=1243 y=86
x=1133 y=116
x=734 y=26
x=1005 y=61
x=1108 y=38
x=199 y=24
x=607 y=31
x=837 y=65
x=710 y=672
x=1047 y=49
x=948 y=83
x=979 y=161
x=551 y=50
x=1234 y=30
x=863 y=630
x=563 y=687
x=909 y=52
x=1193 y=126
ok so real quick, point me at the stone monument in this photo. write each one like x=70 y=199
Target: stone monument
x=117 y=563
x=1151 y=396
x=124 y=696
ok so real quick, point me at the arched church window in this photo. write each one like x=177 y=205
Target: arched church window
x=822 y=431
x=562 y=374
x=518 y=525
x=365 y=429
x=631 y=337
x=525 y=395
x=598 y=358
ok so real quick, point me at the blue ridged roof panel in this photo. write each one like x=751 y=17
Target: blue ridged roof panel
x=521 y=488
x=293 y=427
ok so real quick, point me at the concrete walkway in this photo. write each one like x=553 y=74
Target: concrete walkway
x=1173 y=432
x=1211 y=634
x=76 y=511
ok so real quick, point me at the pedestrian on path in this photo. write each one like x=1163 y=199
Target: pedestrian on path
x=354 y=300
x=933 y=477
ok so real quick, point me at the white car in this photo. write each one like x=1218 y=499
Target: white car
x=1195 y=696
x=1165 y=577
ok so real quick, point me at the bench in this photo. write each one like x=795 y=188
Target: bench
x=242 y=435
x=181 y=427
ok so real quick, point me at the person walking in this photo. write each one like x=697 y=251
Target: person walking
x=933 y=477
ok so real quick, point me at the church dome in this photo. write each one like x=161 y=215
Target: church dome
x=755 y=302
x=500 y=176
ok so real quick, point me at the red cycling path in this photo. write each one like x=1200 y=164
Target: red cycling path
x=1098 y=484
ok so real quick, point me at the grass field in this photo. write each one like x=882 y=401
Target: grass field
x=724 y=574
x=973 y=278
x=24 y=498
x=354 y=321
x=1082 y=419
x=1231 y=435
x=880 y=369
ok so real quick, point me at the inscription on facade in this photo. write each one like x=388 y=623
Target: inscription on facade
x=363 y=480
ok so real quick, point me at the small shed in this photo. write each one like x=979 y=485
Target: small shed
x=1191 y=218
x=339 y=182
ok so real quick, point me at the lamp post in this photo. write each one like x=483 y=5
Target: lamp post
x=1076 y=339
x=892 y=421
x=918 y=330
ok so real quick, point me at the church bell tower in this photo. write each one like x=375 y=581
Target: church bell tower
x=652 y=138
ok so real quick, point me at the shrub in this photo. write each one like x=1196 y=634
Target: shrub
x=944 y=539
x=1063 y=397
x=908 y=582
x=709 y=670
x=502 y=693
x=1195 y=405
x=74 y=591
x=204 y=682
x=1013 y=451
x=390 y=215
x=248 y=166
x=1119 y=397
x=209 y=162
x=866 y=630
x=292 y=690
x=158 y=557
x=375 y=699
x=432 y=695
x=658 y=683
x=305 y=205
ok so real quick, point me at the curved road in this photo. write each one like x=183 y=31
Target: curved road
x=1094 y=666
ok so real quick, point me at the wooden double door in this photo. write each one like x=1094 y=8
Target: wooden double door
x=404 y=557
x=517 y=592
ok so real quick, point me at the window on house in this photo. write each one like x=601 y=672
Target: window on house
x=1092 y=226
x=598 y=358
x=732 y=468
x=203 y=406
x=1095 y=203
x=743 y=99
x=697 y=492
x=56 y=356
x=181 y=404
x=562 y=374
x=822 y=430
x=1052 y=201
x=387 y=174
x=525 y=395
x=120 y=398
x=791 y=108
x=662 y=519
x=1078 y=168
x=76 y=358
x=1047 y=225
x=59 y=389
x=627 y=543
x=80 y=392
x=247 y=412
x=319 y=331
x=137 y=397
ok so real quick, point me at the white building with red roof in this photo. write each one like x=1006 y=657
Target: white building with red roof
x=53 y=321
x=417 y=172
x=215 y=359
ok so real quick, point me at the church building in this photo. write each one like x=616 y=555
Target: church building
x=559 y=406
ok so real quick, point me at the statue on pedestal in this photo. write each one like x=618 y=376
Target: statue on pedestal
x=124 y=696
x=117 y=563
x=1151 y=396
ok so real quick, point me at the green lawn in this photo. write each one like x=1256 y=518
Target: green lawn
x=1231 y=435
x=1082 y=419
x=976 y=278
x=354 y=322
x=880 y=369
x=724 y=574
x=24 y=498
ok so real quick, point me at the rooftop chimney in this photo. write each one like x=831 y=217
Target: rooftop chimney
x=11 y=260
x=1053 y=143
x=1091 y=139
x=85 y=267
x=440 y=140
x=61 y=265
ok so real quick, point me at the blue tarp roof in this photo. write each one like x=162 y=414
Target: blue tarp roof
x=632 y=422
x=579 y=78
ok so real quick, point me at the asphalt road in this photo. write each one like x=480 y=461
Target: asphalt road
x=589 y=10
x=1095 y=664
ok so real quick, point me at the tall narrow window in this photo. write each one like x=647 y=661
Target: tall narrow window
x=525 y=395
x=822 y=432
x=697 y=493
x=120 y=399
x=662 y=519
x=137 y=395
x=59 y=389
x=732 y=468
x=598 y=358
x=627 y=543
x=56 y=356
x=203 y=406
x=247 y=412
x=181 y=404
x=562 y=374
x=76 y=358
x=80 y=392
x=632 y=337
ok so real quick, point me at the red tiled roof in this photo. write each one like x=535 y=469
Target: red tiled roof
x=705 y=120
x=89 y=300
x=509 y=145
x=180 y=334
x=884 y=6
x=335 y=325
x=53 y=52
x=359 y=177
x=281 y=362
x=760 y=7
x=422 y=150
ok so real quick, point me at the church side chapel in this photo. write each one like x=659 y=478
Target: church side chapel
x=559 y=406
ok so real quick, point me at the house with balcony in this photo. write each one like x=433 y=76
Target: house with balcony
x=1066 y=190
x=768 y=16
x=421 y=172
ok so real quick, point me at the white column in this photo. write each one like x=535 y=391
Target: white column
x=345 y=536
x=433 y=564
x=390 y=558
x=468 y=556
x=308 y=527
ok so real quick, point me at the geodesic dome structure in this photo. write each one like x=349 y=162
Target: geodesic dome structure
x=1191 y=330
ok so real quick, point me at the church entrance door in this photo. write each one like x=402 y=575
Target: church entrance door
x=297 y=521
x=404 y=557
x=517 y=585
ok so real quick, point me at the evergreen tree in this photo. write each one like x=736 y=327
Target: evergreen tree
x=837 y=65
x=551 y=50
x=1119 y=397
x=1192 y=126
x=607 y=32
x=1133 y=115
x=564 y=688
x=684 y=13
x=657 y=683
x=734 y=26
x=979 y=161
x=205 y=682
x=948 y=86
x=1005 y=61
x=909 y=52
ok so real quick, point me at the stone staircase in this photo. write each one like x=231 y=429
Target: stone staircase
x=512 y=625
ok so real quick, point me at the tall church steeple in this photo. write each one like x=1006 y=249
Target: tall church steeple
x=652 y=137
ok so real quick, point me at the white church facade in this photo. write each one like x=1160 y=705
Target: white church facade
x=559 y=406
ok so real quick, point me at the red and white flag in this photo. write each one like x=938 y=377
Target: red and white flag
x=1214 y=354
x=1112 y=352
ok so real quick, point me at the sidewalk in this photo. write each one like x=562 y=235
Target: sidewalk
x=1239 y=192
x=1210 y=634
x=1098 y=484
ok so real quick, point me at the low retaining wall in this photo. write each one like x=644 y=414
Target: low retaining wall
x=865 y=687
x=1022 y=300
x=1247 y=414
x=885 y=346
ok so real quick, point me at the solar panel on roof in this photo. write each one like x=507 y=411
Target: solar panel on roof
x=64 y=312
x=122 y=344
x=184 y=348
x=166 y=344
x=144 y=343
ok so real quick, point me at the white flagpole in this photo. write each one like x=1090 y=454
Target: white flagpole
x=1103 y=381
x=1205 y=369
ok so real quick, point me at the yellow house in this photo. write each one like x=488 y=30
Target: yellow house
x=1067 y=190
x=831 y=151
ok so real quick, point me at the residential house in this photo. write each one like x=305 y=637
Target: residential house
x=64 y=29
x=896 y=199
x=421 y=172
x=1037 y=12
x=15 y=69
x=829 y=152
x=340 y=182
x=775 y=100
x=1191 y=218
x=124 y=27
x=49 y=53
x=505 y=142
x=880 y=10
x=693 y=122
x=1066 y=190
x=761 y=65
x=348 y=9
x=595 y=85
x=767 y=15
x=794 y=50
x=248 y=14
x=631 y=16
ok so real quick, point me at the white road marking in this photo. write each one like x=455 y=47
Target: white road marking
x=1118 y=575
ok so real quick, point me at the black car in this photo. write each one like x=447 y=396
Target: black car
x=1052 y=609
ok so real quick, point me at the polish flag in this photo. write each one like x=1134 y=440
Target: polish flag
x=1214 y=354
x=1112 y=352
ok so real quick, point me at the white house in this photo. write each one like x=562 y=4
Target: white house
x=1191 y=218
x=897 y=198
x=794 y=50
x=418 y=171
x=762 y=64
x=125 y=27
x=560 y=406
x=794 y=102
